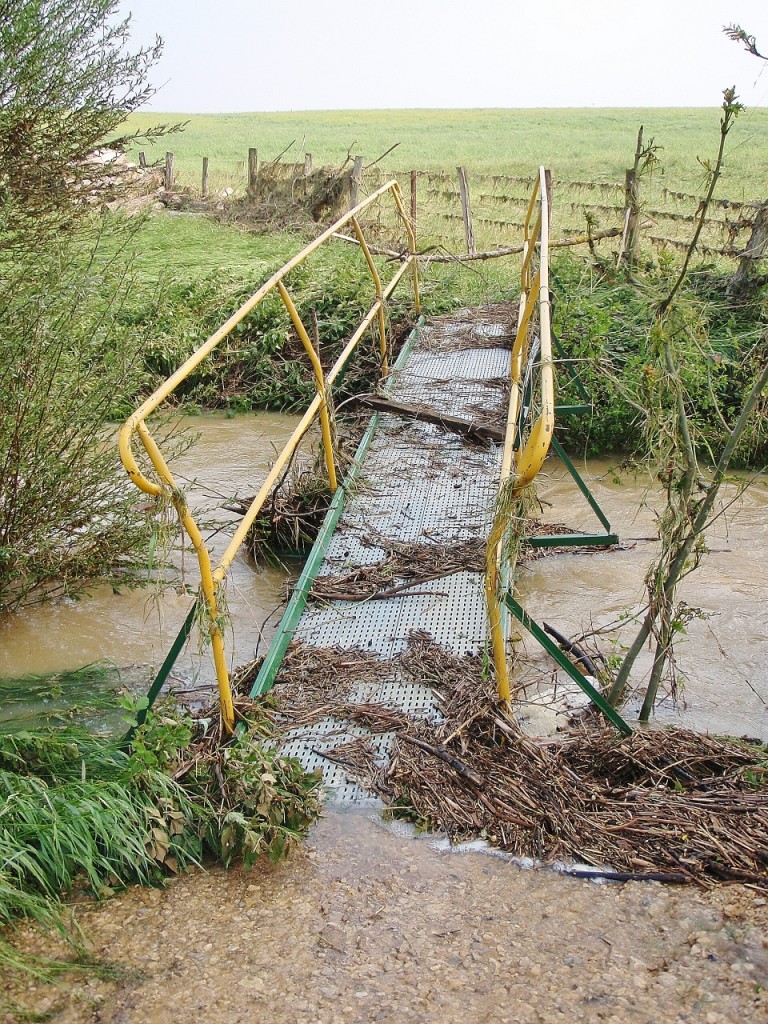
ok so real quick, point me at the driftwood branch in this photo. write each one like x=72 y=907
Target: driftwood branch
x=579 y=654
x=481 y=432
x=513 y=250
x=378 y=158
x=458 y=766
x=490 y=254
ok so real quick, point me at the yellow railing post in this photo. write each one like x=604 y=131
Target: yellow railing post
x=398 y=196
x=325 y=420
x=384 y=362
x=208 y=585
x=521 y=463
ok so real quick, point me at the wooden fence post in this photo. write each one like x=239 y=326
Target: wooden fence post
x=204 y=184
x=466 y=210
x=755 y=250
x=253 y=172
x=413 y=200
x=631 y=211
x=354 y=181
x=548 y=187
x=168 y=172
x=630 y=239
x=142 y=159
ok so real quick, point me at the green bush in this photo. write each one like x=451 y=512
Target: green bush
x=67 y=514
x=605 y=326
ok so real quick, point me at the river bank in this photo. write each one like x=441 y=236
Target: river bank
x=366 y=924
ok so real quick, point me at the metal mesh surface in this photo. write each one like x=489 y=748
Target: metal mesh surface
x=466 y=383
x=420 y=483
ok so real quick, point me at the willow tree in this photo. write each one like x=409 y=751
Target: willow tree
x=691 y=490
x=67 y=82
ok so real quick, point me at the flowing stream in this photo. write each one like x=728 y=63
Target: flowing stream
x=136 y=627
x=723 y=661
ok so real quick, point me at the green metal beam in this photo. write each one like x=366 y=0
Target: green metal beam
x=566 y=665
x=581 y=485
x=573 y=540
x=572 y=410
x=271 y=664
x=164 y=671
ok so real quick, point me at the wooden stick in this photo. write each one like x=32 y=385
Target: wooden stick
x=513 y=250
x=476 y=431
x=458 y=766
x=466 y=210
x=168 y=172
x=253 y=172
x=582 y=658
x=354 y=181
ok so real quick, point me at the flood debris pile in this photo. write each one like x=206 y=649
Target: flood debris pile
x=671 y=804
x=471 y=328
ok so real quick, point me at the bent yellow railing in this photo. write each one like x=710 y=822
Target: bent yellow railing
x=525 y=447
x=211 y=578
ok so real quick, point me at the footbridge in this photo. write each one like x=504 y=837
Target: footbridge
x=425 y=522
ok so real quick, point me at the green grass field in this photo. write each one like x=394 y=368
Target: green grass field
x=577 y=144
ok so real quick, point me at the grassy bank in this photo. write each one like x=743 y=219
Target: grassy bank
x=577 y=143
x=191 y=274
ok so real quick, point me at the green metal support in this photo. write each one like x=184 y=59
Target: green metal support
x=554 y=540
x=269 y=668
x=572 y=410
x=580 y=484
x=164 y=671
x=567 y=666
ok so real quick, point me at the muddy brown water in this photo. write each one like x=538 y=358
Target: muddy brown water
x=368 y=924
x=230 y=457
x=722 y=661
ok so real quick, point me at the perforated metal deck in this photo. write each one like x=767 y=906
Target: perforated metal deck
x=419 y=483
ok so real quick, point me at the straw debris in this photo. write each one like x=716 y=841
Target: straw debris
x=671 y=805
x=404 y=567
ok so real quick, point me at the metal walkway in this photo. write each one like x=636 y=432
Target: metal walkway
x=419 y=483
x=412 y=481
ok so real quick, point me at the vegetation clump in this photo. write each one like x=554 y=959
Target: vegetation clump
x=84 y=812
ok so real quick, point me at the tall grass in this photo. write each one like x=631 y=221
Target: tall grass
x=83 y=812
x=576 y=143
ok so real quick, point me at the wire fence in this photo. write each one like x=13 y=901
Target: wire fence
x=470 y=213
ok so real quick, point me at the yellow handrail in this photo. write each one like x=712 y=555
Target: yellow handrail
x=522 y=461
x=210 y=578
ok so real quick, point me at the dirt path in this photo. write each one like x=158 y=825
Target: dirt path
x=367 y=925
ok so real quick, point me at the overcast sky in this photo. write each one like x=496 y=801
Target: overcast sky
x=249 y=55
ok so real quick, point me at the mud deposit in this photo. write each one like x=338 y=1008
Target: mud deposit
x=368 y=925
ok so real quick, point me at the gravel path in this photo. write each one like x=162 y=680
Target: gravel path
x=368 y=925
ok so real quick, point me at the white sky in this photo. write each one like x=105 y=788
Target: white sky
x=250 y=55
